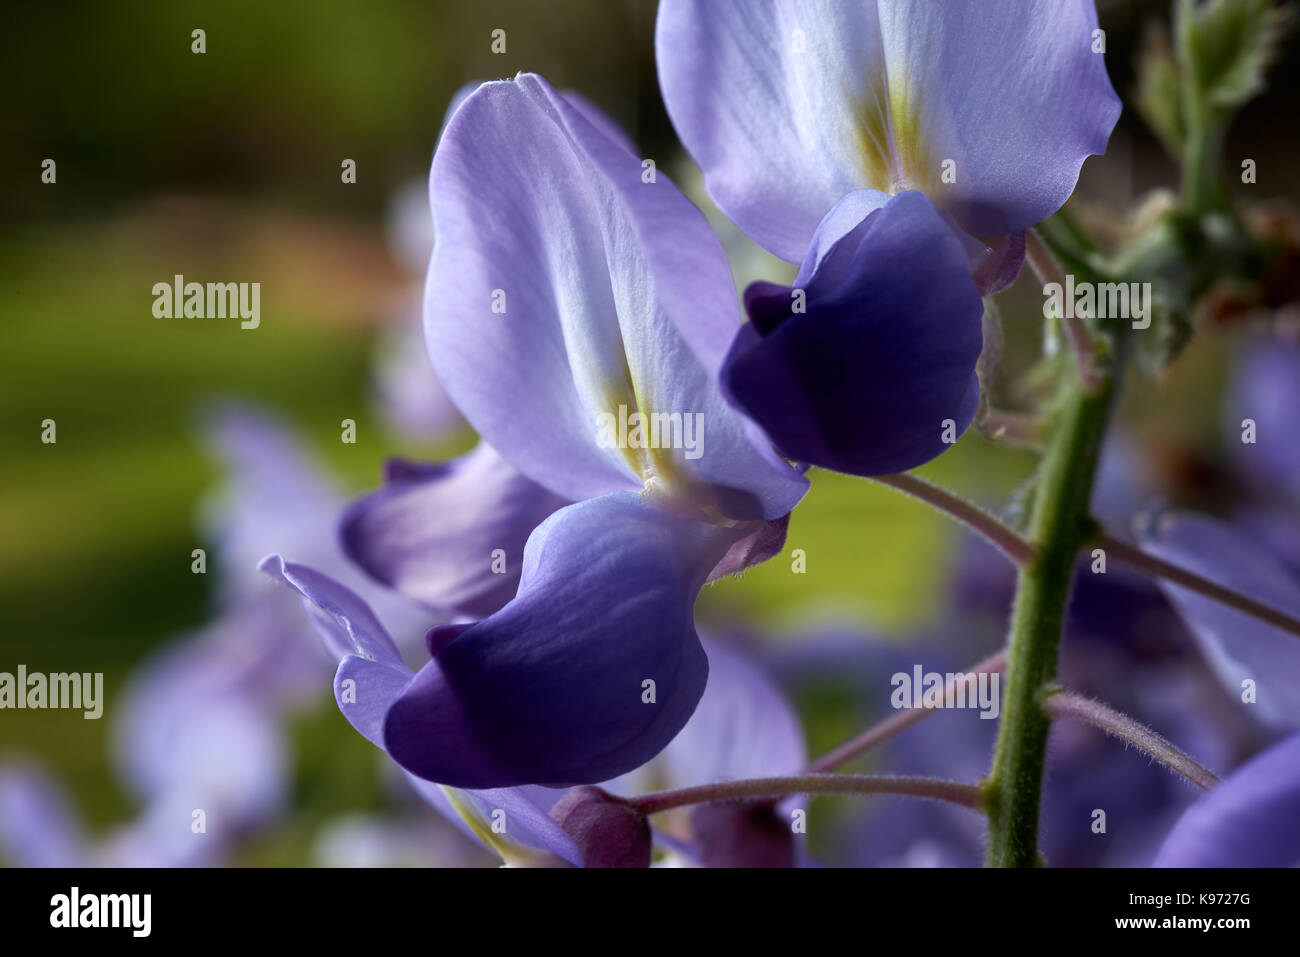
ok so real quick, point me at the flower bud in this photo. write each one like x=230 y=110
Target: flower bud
x=608 y=830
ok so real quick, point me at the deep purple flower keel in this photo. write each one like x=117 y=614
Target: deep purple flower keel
x=586 y=674
x=867 y=363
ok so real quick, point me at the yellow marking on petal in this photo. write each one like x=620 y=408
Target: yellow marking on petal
x=875 y=139
x=513 y=854
x=625 y=395
x=919 y=169
x=890 y=141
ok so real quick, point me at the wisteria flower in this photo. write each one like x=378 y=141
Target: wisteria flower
x=577 y=312
x=898 y=150
x=742 y=726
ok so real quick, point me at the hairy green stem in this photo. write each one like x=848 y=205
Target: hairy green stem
x=1059 y=527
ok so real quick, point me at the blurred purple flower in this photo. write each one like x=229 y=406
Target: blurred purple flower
x=1244 y=652
x=199 y=725
x=38 y=826
x=410 y=396
x=1265 y=388
x=853 y=671
x=1252 y=819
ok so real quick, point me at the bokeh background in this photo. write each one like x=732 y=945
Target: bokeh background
x=226 y=166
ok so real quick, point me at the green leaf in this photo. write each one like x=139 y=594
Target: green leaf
x=1158 y=96
x=1226 y=46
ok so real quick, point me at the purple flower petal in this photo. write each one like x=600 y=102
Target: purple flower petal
x=367 y=687
x=553 y=688
x=764 y=542
x=371 y=673
x=787 y=105
x=600 y=120
x=343 y=619
x=863 y=380
x=450 y=535
x=1239 y=647
x=523 y=812
x=273 y=495
x=38 y=827
x=612 y=298
x=1266 y=389
x=197 y=719
x=1252 y=819
x=744 y=726
x=409 y=395
x=365 y=690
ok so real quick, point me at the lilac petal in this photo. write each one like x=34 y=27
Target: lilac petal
x=617 y=298
x=371 y=673
x=1012 y=92
x=1125 y=483
x=345 y=622
x=550 y=689
x=787 y=105
x=1238 y=646
x=278 y=499
x=366 y=688
x=524 y=815
x=231 y=759
x=744 y=726
x=197 y=724
x=600 y=120
x=864 y=379
x=451 y=535
x=1252 y=819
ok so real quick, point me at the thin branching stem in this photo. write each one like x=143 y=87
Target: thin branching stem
x=878 y=733
x=938 y=789
x=1063 y=704
x=1010 y=542
x=1156 y=567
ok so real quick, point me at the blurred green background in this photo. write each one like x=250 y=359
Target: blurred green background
x=226 y=165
